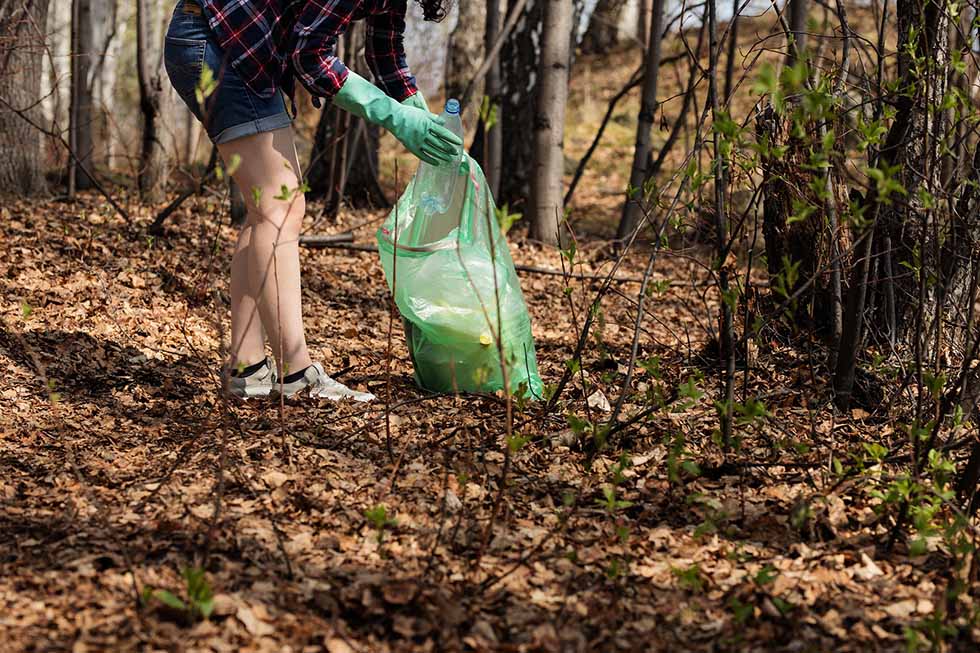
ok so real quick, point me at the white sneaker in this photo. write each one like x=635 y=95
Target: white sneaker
x=292 y=388
x=327 y=388
x=257 y=384
x=320 y=386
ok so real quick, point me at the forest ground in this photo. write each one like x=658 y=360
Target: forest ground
x=120 y=465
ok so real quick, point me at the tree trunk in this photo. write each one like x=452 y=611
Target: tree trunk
x=797 y=25
x=519 y=72
x=55 y=85
x=465 y=49
x=83 y=56
x=22 y=24
x=633 y=206
x=603 y=32
x=492 y=136
x=646 y=15
x=363 y=189
x=727 y=335
x=913 y=230
x=94 y=29
x=914 y=142
x=324 y=143
x=799 y=249
x=732 y=50
x=111 y=32
x=148 y=66
x=549 y=123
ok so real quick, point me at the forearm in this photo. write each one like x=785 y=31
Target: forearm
x=373 y=107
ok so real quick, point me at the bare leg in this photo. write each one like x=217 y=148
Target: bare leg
x=267 y=162
x=247 y=334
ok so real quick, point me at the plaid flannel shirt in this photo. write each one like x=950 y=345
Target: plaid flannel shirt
x=270 y=41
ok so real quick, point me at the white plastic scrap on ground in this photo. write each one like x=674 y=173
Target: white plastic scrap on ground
x=327 y=388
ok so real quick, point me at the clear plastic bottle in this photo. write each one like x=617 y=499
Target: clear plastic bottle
x=437 y=187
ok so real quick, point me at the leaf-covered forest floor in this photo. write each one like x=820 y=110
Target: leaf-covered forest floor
x=121 y=466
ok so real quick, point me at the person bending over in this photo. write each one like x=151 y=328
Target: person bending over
x=256 y=51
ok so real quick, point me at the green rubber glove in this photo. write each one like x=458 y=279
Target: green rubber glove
x=418 y=130
x=417 y=101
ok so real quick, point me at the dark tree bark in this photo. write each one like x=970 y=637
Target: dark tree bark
x=488 y=143
x=727 y=335
x=518 y=73
x=797 y=25
x=913 y=143
x=326 y=140
x=633 y=204
x=914 y=231
x=22 y=23
x=799 y=251
x=148 y=69
x=646 y=13
x=732 y=50
x=92 y=31
x=80 y=114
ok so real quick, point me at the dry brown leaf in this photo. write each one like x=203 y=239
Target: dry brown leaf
x=252 y=623
x=337 y=645
x=275 y=478
x=901 y=610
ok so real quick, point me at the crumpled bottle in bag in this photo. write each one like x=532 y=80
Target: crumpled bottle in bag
x=455 y=285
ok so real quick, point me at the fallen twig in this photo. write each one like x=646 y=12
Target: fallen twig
x=323 y=240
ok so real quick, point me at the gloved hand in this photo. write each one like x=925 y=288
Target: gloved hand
x=418 y=130
x=417 y=101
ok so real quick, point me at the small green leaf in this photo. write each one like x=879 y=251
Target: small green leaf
x=691 y=467
x=284 y=193
x=233 y=164
x=205 y=607
x=740 y=611
x=766 y=575
x=169 y=600
x=918 y=547
x=516 y=442
x=506 y=219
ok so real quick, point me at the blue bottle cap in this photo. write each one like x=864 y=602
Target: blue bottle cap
x=452 y=106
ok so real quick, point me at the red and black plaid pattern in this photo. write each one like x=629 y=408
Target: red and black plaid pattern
x=268 y=41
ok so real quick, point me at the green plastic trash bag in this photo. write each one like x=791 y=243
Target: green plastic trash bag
x=456 y=288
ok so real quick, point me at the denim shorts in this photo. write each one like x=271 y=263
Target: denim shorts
x=232 y=110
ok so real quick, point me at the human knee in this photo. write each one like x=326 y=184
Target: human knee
x=285 y=215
